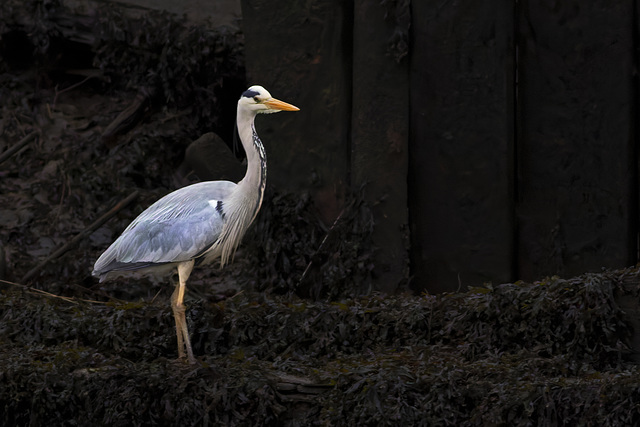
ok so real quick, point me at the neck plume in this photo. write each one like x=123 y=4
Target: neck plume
x=243 y=205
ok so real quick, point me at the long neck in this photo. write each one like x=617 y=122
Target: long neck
x=246 y=199
x=255 y=179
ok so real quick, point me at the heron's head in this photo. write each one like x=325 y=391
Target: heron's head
x=259 y=100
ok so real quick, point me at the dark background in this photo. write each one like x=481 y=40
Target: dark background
x=496 y=140
x=493 y=141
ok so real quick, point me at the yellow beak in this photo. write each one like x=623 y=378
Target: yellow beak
x=276 y=104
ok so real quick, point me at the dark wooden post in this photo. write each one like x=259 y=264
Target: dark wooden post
x=576 y=157
x=461 y=146
x=380 y=131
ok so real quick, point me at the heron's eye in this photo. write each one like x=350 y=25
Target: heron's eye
x=255 y=98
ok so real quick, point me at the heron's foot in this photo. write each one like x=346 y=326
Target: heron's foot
x=184 y=342
x=186 y=359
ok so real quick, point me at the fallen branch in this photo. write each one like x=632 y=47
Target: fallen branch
x=73 y=86
x=292 y=388
x=97 y=223
x=17 y=147
x=40 y=292
x=128 y=118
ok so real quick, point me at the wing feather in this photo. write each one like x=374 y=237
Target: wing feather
x=176 y=228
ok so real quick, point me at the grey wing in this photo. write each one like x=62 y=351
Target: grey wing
x=178 y=227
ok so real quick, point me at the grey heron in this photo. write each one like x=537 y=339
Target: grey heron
x=199 y=223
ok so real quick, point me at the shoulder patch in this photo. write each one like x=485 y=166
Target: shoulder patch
x=218 y=206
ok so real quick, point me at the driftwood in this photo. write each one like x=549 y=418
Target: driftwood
x=17 y=147
x=295 y=388
x=128 y=118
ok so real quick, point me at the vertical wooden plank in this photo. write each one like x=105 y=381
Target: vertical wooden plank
x=576 y=165
x=380 y=132
x=300 y=52
x=461 y=147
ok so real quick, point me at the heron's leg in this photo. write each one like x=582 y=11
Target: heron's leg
x=184 y=270
x=178 y=318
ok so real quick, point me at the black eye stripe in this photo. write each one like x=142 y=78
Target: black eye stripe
x=250 y=93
